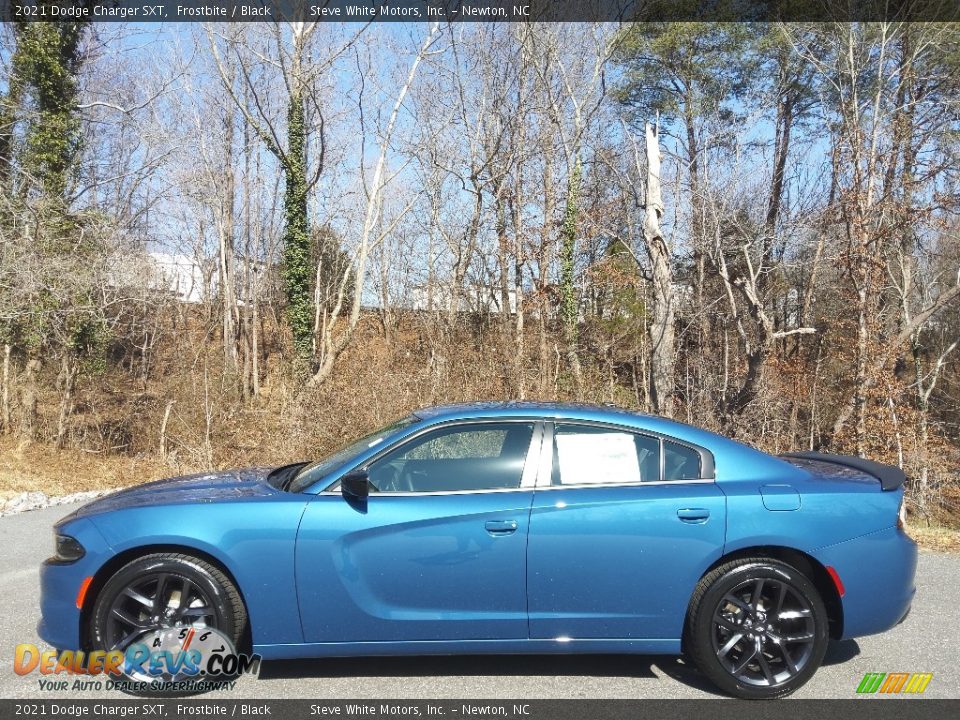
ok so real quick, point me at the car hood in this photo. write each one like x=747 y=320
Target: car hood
x=197 y=488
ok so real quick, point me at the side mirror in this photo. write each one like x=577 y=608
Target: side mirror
x=356 y=484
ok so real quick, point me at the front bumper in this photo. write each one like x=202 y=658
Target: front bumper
x=877 y=571
x=60 y=618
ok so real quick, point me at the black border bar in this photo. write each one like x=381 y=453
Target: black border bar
x=480 y=10
x=872 y=708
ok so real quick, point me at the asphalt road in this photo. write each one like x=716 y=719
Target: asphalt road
x=926 y=642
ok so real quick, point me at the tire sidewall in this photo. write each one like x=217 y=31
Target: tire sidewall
x=702 y=628
x=176 y=567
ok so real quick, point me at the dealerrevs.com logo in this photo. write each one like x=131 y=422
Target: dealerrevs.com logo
x=894 y=683
x=174 y=660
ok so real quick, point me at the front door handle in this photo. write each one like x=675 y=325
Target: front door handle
x=693 y=515
x=501 y=527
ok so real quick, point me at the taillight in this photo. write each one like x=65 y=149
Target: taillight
x=837 y=582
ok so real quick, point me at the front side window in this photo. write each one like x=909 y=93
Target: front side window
x=488 y=456
x=313 y=472
x=594 y=455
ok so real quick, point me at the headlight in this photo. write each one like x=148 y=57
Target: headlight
x=68 y=549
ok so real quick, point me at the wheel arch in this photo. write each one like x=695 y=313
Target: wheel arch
x=805 y=563
x=111 y=566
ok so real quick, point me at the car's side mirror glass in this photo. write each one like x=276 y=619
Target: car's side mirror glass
x=356 y=484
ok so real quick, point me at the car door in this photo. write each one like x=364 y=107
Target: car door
x=438 y=549
x=619 y=534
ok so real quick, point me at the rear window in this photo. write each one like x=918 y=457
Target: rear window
x=595 y=455
x=680 y=462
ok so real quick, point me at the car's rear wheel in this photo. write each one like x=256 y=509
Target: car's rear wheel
x=155 y=595
x=757 y=628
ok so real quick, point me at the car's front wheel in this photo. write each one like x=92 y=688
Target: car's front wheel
x=157 y=599
x=757 y=628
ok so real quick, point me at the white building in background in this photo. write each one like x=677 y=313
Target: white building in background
x=183 y=276
x=190 y=280
x=194 y=281
x=471 y=298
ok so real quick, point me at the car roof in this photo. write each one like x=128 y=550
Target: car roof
x=733 y=460
x=525 y=408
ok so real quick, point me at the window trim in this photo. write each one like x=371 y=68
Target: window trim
x=544 y=478
x=528 y=478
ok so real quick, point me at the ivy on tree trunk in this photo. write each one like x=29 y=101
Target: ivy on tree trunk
x=568 y=291
x=297 y=271
x=46 y=62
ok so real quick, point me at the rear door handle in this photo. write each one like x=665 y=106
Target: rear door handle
x=693 y=515
x=501 y=527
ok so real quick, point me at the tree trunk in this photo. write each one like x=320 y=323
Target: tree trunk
x=386 y=316
x=544 y=261
x=503 y=263
x=696 y=224
x=568 y=291
x=28 y=399
x=255 y=341
x=296 y=233
x=662 y=340
x=68 y=374
x=465 y=253
x=231 y=316
x=163 y=429
x=5 y=402
x=781 y=151
x=519 y=373
x=921 y=491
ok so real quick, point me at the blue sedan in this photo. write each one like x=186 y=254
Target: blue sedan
x=503 y=528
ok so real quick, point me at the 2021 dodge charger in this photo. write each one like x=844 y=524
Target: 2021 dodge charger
x=503 y=528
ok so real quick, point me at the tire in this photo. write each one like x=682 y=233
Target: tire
x=212 y=601
x=756 y=645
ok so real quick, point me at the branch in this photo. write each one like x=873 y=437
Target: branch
x=908 y=330
x=126 y=111
x=795 y=331
x=270 y=138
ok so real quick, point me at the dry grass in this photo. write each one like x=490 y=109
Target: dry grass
x=938 y=539
x=37 y=467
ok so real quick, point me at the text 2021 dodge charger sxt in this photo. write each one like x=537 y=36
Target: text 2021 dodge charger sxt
x=503 y=528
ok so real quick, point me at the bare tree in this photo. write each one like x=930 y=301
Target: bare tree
x=662 y=328
x=372 y=233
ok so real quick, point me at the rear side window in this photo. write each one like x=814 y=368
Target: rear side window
x=585 y=455
x=593 y=455
x=680 y=462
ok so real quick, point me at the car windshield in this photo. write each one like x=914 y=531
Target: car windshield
x=310 y=473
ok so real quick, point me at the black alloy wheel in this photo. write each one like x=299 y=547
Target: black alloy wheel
x=757 y=628
x=159 y=593
x=156 y=601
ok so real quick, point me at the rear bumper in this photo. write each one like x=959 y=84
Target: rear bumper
x=905 y=615
x=877 y=571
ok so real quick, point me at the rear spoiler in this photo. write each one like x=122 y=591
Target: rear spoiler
x=890 y=476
